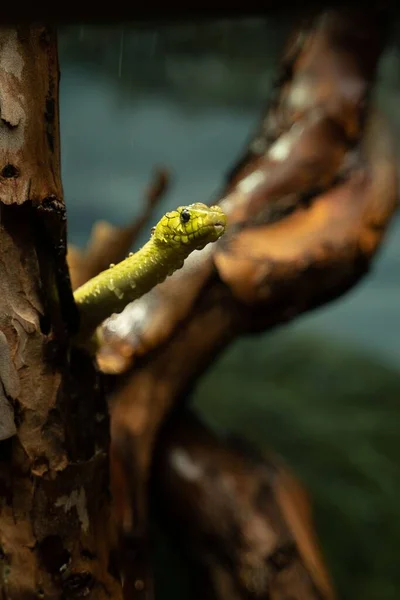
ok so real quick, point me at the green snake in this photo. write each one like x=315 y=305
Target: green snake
x=175 y=236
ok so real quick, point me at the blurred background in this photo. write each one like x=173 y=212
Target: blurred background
x=323 y=391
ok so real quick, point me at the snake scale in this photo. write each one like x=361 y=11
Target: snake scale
x=176 y=235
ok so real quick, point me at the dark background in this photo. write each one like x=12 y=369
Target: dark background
x=323 y=391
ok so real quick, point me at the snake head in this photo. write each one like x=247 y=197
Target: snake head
x=191 y=226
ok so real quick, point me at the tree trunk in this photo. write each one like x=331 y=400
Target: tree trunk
x=54 y=517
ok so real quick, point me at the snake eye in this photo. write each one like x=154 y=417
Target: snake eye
x=185 y=215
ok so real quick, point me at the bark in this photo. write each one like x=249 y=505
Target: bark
x=55 y=522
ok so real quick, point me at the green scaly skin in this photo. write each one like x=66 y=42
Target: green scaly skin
x=175 y=236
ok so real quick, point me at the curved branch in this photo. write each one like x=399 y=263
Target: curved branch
x=308 y=205
x=308 y=143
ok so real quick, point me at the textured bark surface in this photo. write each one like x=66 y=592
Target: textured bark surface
x=54 y=501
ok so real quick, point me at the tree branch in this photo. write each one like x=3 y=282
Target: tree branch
x=290 y=247
x=308 y=143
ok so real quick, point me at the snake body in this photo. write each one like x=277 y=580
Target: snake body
x=175 y=236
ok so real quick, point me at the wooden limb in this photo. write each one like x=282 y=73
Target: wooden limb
x=357 y=214
x=296 y=281
x=307 y=143
x=243 y=515
x=109 y=244
x=318 y=252
x=54 y=503
x=308 y=212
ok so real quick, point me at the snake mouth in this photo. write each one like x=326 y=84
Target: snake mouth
x=219 y=226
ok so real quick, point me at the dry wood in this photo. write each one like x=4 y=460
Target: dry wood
x=55 y=523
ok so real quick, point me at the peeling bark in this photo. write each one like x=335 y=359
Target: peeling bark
x=55 y=523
